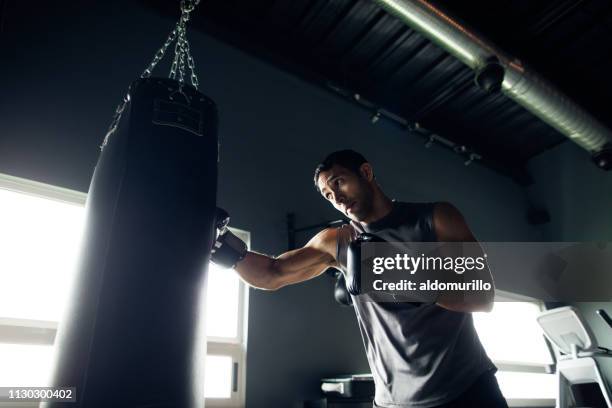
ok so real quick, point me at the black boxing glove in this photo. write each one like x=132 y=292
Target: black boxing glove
x=353 y=262
x=228 y=249
x=355 y=280
x=341 y=295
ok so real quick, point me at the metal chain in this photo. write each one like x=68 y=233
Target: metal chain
x=116 y=119
x=190 y=61
x=180 y=43
x=182 y=54
x=160 y=53
x=176 y=62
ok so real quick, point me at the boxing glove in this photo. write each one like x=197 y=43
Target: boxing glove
x=340 y=293
x=353 y=262
x=228 y=249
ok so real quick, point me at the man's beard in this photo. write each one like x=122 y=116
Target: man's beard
x=364 y=203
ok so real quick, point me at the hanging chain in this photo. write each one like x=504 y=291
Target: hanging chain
x=159 y=54
x=182 y=55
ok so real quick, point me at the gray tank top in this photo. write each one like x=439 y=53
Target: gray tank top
x=420 y=355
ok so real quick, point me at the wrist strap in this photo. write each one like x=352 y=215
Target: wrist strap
x=228 y=250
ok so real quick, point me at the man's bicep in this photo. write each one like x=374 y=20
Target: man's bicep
x=308 y=262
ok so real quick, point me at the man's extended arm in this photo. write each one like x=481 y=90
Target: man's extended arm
x=450 y=226
x=271 y=273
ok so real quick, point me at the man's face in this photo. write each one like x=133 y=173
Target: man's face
x=348 y=192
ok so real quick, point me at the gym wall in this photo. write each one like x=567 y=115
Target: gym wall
x=576 y=193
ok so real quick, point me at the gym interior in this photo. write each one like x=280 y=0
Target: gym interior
x=107 y=298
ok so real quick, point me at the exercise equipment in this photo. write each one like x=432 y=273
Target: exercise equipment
x=352 y=387
x=581 y=383
x=134 y=334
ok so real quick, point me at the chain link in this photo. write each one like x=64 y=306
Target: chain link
x=182 y=55
x=160 y=53
x=116 y=119
x=182 y=52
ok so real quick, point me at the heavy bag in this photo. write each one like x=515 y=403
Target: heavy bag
x=134 y=334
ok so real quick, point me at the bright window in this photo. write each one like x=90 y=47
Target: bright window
x=25 y=364
x=218 y=377
x=515 y=342
x=517 y=385
x=226 y=330
x=223 y=302
x=39 y=242
x=40 y=234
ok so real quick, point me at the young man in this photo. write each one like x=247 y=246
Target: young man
x=421 y=355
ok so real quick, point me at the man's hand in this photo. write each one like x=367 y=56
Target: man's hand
x=228 y=249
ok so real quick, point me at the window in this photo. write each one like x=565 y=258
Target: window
x=226 y=312
x=515 y=342
x=40 y=234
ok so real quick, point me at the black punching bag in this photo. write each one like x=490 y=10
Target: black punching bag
x=134 y=334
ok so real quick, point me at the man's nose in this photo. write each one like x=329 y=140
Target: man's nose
x=339 y=199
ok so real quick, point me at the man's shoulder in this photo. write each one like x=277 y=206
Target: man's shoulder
x=449 y=223
x=325 y=239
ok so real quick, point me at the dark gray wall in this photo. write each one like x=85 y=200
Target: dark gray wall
x=577 y=194
x=66 y=66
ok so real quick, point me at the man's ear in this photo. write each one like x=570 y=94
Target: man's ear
x=366 y=171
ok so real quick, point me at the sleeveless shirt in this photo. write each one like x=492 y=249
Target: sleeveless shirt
x=420 y=355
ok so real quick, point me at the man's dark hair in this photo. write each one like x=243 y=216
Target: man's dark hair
x=349 y=159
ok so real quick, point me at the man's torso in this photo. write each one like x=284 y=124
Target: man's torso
x=421 y=355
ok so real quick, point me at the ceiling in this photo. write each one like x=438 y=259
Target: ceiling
x=354 y=47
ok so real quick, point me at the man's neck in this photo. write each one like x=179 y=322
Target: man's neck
x=381 y=207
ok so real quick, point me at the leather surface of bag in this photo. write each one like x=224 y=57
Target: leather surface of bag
x=134 y=333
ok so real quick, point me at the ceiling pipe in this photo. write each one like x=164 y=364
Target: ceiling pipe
x=497 y=71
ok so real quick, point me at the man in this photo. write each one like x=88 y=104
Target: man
x=421 y=355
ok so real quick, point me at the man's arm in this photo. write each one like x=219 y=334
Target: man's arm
x=271 y=273
x=450 y=226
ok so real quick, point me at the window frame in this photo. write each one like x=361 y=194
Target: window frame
x=43 y=332
x=522 y=367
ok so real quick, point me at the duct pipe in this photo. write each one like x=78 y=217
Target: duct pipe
x=526 y=88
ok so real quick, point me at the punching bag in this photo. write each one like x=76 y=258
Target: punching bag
x=134 y=333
